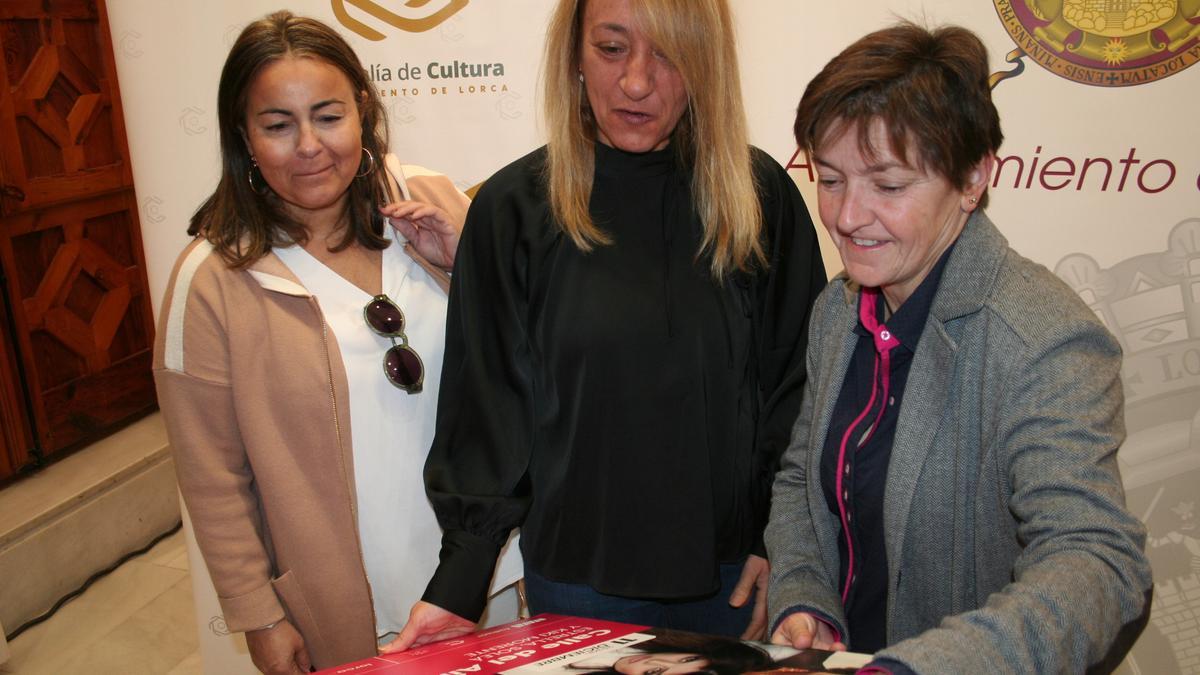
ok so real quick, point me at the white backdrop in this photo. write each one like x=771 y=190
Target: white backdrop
x=1130 y=245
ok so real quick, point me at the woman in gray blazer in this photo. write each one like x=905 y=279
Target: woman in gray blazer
x=950 y=499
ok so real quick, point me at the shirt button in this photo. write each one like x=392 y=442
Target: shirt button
x=847 y=470
x=891 y=400
x=846 y=495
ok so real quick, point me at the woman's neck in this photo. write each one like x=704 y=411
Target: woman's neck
x=324 y=229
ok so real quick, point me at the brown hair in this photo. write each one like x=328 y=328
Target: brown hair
x=696 y=36
x=927 y=87
x=243 y=224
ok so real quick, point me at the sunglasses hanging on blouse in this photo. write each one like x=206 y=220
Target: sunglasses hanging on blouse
x=401 y=365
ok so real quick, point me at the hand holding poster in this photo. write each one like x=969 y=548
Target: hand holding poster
x=550 y=644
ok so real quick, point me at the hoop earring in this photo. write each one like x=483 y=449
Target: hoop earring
x=250 y=178
x=370 y=164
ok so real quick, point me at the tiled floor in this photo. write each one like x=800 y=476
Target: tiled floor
x=137 y=620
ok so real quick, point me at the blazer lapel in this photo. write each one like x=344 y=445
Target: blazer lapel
x=921 y=417
x=966 y=283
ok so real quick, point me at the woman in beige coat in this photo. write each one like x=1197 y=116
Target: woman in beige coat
x=299 y=456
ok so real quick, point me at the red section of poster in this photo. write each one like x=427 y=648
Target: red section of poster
x=550 y=644
x=498 y=649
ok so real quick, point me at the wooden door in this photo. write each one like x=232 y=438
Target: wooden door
x=70 y=242
x=15 y=435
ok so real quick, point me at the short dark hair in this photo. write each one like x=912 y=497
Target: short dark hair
x=243 y=224
x=928 y=87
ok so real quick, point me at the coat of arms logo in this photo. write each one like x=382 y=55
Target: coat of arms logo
x=1104 y=43
x=1151 y=303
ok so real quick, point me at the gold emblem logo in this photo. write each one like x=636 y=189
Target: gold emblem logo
x=1105 y=43
x=417 y=16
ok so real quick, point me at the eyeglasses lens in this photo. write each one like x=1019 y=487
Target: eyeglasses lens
x=385 y=317
x=403 y=368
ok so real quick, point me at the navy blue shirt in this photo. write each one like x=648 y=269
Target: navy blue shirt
x=866 y=468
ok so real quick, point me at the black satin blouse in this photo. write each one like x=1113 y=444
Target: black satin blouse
x=621 y=407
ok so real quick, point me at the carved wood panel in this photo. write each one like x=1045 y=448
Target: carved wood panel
x=70 y=244
x=60 y=119
x=77 y=290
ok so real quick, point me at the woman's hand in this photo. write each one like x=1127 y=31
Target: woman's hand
x=431 y=231
x=278 y=650
x=755 y=574
x=428 y=623
x=803 y=631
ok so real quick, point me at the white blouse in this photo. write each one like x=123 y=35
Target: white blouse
x=391 y=430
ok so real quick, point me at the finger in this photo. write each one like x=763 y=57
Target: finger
x=302 y=660
x=421 y=641
x=758 y=621
x=758 y=616
x=412 y=211
x=739 y=596
x=397 y=212
x=741 y=592
x=408 y=635
x=760 y=603
x=406 y=228
x=443 y=231
x=800 y=631
x=837 y=647
x=439 y=221
x=399 y=207
x=798 y=639
x=448 y=633
x=390 y=211
x=415 y=213
x=756 y=628
x=825 y=637
x=421 y=211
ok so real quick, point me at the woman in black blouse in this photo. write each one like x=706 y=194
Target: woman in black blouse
x=626 y=339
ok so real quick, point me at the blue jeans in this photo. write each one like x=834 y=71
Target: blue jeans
x=708 y=614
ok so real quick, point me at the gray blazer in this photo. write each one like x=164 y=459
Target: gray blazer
x=1009 y=546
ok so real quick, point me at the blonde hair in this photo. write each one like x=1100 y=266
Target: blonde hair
x=696 y=36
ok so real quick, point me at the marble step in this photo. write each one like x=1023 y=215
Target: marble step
x=82 y=514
